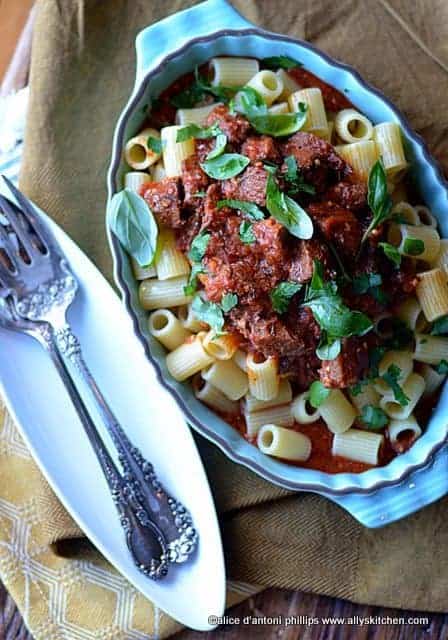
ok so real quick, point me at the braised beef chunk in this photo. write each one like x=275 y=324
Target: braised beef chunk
x=164 y=199
x=194 y=181
x=350 y=195
x=249 y=185
x=213 y=217
x=303 y=255
x=235 y=126
x=317 y=160
x=260 y=148
x=345 y=370
x=339 y=226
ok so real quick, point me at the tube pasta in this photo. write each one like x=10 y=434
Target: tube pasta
x=399 y=192
x=300 y=411
x=410 y=312
x=432 y=293
x=220 y=347
x=279 y=107
x=413 y=387
x=198 y=115
x=188 y=359
x=387 y=136
x=382 y=325
x=174 y=153
x=316 y=118
x=267 y=84
x=142 y=273
x=433 y=380
x=263 y=377
x=407 y=212
x=337 y=412
x=441 y=259
x=430 y=349
x=133 y=180
x=170 y=262
x=289 y=84
x=399 y=234
x=425 y=216
x=284 y=396
x=280 y=415
x=397 y=429
x=137 y=153
x=213 y=397
x=188 y=319
x=402 y=360
x=359 y=155
x=283 y=443
x=227 y=377
x=158 y=294
x=158 y=172
x=358 y=445
x=232 y=72
x=239 y=358
x=367 y=395
x=167 y=329
x=352 y=126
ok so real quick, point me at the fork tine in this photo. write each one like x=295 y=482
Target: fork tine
x=8 y=210
x=28 y=211
x=7 y=245
x=6 y=277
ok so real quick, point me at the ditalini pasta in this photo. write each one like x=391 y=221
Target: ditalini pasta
x=295 y=281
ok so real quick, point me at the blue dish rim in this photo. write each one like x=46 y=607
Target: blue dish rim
x=200 y=427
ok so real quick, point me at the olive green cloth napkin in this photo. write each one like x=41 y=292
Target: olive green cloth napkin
x=82 y=73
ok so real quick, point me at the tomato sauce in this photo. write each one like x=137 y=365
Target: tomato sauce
x=334 y=100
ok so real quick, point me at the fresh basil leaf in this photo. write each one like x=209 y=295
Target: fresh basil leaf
x=196 y=131
x=442 y=367
x=250 y=208
x=280 y=62
x=294 y=179
x=440 y=326
x=209 y=312
x=373 y=417
x=220 y=147
x=155 y=144
x=192 y=284
x=224 y=94
x=391 y=252
x=133 y=223
x=364 y=282
x=199 y=246
x=228 y=301
x=281 y=124
x=378 y=198
x=286 y=211
x=225 y=166
x=318 y=394
x=249 y=103
x=281 y=295
x=391 y=377
x=413 y=246
x=246 y=232
x=328 y=349
x=200 y=89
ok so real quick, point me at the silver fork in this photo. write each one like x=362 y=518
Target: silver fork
x=41 y=288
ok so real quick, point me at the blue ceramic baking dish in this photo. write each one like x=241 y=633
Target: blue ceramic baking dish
x=167 y=50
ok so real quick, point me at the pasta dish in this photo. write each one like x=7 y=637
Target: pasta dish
x=287 y=265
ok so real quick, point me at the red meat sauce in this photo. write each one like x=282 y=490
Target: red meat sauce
x=189 y=204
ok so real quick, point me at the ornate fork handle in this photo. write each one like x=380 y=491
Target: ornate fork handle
x=173 y=519
x=144 y=539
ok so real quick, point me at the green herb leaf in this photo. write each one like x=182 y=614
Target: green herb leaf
x=209 y=312
x=358 y=387
x=228 y=301
x=378 y=198
x=195 y=131
x=249 y=103
x=224 y=94
x=133 y=223
x=286 y=211
x=199 y=194
x=281 y=295
x=328 y=348
x=281 y=124
x=294 y=179
x=373 y=417
x=280 y=62
x=199 y=89
x=391 y=252
x=225 y=166
x=375 y=356
x=220 y=147
x=413 y=246
x=192 y=284
x=364 y=282
x=318 y=394
x=199 y=246
x=442 y=367
x=250 y=208
x=155 y=144
x=246 y=232
x=440 y=326
x=391 y=377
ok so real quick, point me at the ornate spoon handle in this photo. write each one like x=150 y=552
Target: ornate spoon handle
x=171 y=517
x=144 y=539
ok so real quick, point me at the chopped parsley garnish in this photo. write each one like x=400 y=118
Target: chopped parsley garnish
x=328 y=348
x=294 y=179
x=209 y=312
x=370 y=283
x=373 y=417
x=280 y=62
x=391 y=252
x=249 y=208
x=228 y=301
x=281 y=295
x=155 y=144
x=378 y=198
x=196 y=131
x=442 y=367
x=391 y=378
x=413 y=246
x=286 y=211
x=318 y=394
x=440 y=326
x=196 y=253
x=192 y=284
x=358 y=387
x=246 y=232
x=375 y=356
